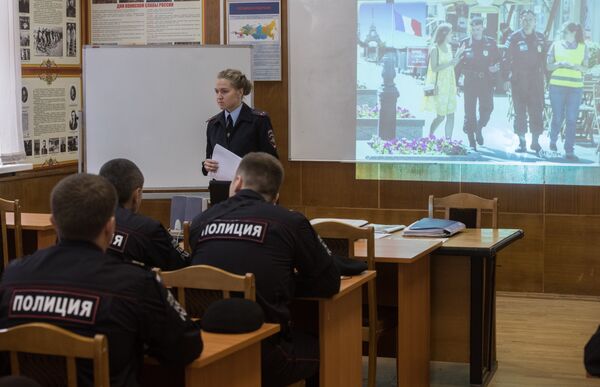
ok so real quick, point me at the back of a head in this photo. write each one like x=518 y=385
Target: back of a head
x=82 y=204
x=262 y=173
x=124 y=175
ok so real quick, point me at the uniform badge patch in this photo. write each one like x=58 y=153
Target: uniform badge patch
x=248 y=230
x=54 y=305
x=119 y=241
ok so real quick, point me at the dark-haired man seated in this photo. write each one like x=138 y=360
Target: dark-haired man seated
x=248 y=233
x=77 y=286
x=138 y=237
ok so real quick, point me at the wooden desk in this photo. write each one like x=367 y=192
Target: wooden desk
x=479 y=247
x=411 y=260
x=340 y=332
x=226 y=360
x=231 y=360
x=38 y=231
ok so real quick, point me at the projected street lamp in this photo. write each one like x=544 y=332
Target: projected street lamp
x=387 y=99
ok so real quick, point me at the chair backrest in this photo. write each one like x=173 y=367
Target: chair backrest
x=332 y=231
x=204 y=277
x=186 y=237
x=465 y=201
x=15 y=208
x=47 y=339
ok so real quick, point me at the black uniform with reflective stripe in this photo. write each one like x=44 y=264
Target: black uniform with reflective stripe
x=143 y=239
x=524 y=66
x=123 y=301
x=269 y=241
x=252 y=132
x=478 y=57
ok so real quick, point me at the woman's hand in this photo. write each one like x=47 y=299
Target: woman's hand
x=458 y=56
x=211 y=165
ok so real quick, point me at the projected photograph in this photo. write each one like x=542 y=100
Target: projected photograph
x=483 y=88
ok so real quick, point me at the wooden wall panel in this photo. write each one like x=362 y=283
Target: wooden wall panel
x=571 y=252
x=413 y=194
x=561 y=199
x=335 y=185
x=33 y=188
x=516 y=198
x=520 y=267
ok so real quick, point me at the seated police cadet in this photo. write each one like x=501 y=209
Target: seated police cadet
x=137 y=237
x=76 y=286
x=249 y=233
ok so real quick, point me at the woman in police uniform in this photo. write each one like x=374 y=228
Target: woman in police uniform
x=238 y=127
x=567 y=60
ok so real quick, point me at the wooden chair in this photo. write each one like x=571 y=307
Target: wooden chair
x=464 y=203
x=186 y=237
x=15 y=208
x=337 y=231
x=47 y=339
x=204 y=277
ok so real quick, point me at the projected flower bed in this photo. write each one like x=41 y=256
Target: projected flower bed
x=419 y=146
x=366 y=111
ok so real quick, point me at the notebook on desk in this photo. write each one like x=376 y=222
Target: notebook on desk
x=432 y=227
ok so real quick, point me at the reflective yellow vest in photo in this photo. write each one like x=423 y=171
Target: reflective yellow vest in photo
x=568 y=77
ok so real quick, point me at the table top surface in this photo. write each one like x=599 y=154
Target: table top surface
x=398 y=250
x=220 y=345
x=473 y=239
x=31 y=221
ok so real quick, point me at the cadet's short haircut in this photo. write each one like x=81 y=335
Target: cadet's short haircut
x=124 y=175
x=262 y=173
x=82 y=205
x=476 y=21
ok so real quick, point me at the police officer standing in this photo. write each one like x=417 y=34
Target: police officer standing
x=524 y=68
x=480 y=64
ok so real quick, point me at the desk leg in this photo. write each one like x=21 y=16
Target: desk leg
x=240 y=369
x=413 y=323
x=340 y=340
x=483 y=320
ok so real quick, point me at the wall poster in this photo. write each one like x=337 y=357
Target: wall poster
x=51 y=119
x=257 y=23
x=50 y=29
x=149 y=22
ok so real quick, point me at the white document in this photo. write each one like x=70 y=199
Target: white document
x=228 y=164
x=351 y=222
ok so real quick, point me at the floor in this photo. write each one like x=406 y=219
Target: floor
x=540 y=343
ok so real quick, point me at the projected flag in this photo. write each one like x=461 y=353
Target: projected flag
x=407 y=24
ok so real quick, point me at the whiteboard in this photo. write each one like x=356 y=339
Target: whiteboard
x=322 y=79
x=150 y=104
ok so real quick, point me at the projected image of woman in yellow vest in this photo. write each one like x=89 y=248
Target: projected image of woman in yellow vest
x=568 y=61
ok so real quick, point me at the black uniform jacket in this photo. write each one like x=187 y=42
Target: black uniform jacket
x=525 y=55
x=245 y=234
x=478 y=57
x=76 y=286
x=252 y=132
x=143 y=239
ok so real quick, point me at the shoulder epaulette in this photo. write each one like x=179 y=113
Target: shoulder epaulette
x=259 y=113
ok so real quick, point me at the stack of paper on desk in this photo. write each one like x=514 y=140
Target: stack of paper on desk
x=431 y=227
x=350 y=222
